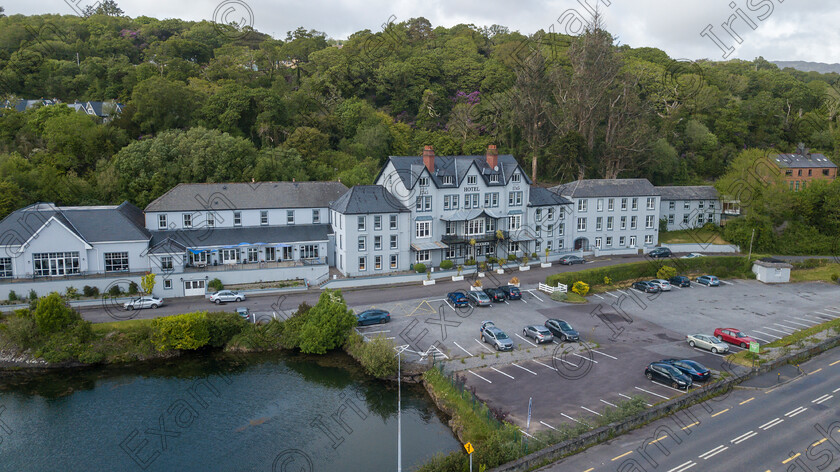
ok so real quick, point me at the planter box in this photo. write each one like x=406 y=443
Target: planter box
x=476 y=289
x=500 y=271
x=457 y=278
x=545 y=265
x=481 y=274
x=429 y=282
x=524 y=268
x=515 y=285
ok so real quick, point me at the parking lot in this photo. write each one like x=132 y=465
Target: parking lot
x=621 y=331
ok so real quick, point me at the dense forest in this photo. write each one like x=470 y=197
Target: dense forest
x=206 y=102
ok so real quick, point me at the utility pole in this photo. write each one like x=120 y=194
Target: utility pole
x=399 y=350
x=751 y=241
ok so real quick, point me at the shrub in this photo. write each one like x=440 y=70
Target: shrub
x=607 y=280
x=420 y=268
x=477 y=283
x=12 y=296
x=376 y=356
x=52 y=315
x=580 y=288
x=446 y=265
x=666 y=272
x=511 y=257
x=514 y=280
x=215 y=285
x=534 y=255
x=115 y=290
x=133 y=288
x=558 y=296
x=328 y=324
x=33 y=295
x=834 y=278
x=21 y=329
x=71 y=293
x=89 y=291
x=470 y=262
x=524 y=260
x=187 y=331
x=223 y=326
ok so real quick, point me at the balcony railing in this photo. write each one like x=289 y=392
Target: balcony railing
x=243 y=265
x=465 y=238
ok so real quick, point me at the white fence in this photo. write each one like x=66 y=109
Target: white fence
x=562 y=288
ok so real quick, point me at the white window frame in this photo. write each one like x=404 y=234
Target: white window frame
x=423 y=256
x=362 y=264
x=599 y=205
x=237 y=218
x=472 y=180
x=162 y=221
x=263 y=217
x=611 y=204
x=186 y=220
x=377 y=243
x=362 y=243
x=423 y=229
x=649 y=219
x=361 y=223
x=394 y=242
x=393 y=222
x=651 y=203
x=582 y=205
x=598 y=223
x=515 y=222
x=609 y=223
x=581 y=224
x=377 y=222
x=316 y=217
x=598 y=243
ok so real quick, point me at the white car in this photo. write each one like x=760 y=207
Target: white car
x=692 y=255
x=664 y=285
x=226 y=296
x=143 y=302
x=707 y=342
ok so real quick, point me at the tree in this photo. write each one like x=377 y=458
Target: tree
x=107 y=7
x=162 y=104
x=328 y=325
x=52 y=314
x=531 y=106
x=147 y=283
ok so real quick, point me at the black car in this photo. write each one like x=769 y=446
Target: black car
x=667 y=374
x=511 y=292
x=646 y=287
x=695 y=370
x=369 y=317
x=661 y=252
x=680 y=281
x=570 y=260
x=495 y=294
x=562 y=330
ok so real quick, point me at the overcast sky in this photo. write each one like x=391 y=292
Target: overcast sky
x=777 y=30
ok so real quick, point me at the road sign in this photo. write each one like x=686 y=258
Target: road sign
x=754 y=347
x=529 y=414
x=469 y=448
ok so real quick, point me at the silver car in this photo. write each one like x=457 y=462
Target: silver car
x=541 y=334
x=226 y=296
x=704 y=341
x=664 y=285
x=143 y=302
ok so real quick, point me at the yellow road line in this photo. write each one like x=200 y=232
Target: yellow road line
x=660 y=439
x=814 y=372
x=720 y=412
x=819 y=442
x=747 y=400
x=791 y=458
x=589 y=469
x=692 y=424
x=835 y=362
x=619 y=457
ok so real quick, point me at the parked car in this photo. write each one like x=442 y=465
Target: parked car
x=667 y=374
x=646 y=287
x=733 y=336
x=692 y=255
x=495 y=294
x=709 y=280
x=704 y=341
x=511 y=292
x=479 y=298
x=226 y=296
x=562 y=330
x=680 y=281
x=539 y=333
x=664 y=285
x=661 y=252
x=143 y=302
x=369 y=317
x=492 y=335
x=570 y=260
x=457 y=299
x=245 y=313
x=693 y=369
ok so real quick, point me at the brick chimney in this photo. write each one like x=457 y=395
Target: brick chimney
x=429 y=159
x=492 y=156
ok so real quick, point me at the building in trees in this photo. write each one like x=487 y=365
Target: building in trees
x=801 y=167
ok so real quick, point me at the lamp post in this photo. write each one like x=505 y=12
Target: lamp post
x=399 y=350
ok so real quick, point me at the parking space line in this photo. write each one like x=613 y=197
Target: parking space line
x=374 y=332
x=602 y=298
x=523 y=300
x=482 y=345
x=768 y=334
x=676 y=287
x=531 y=291
x=727 y=283
x=667 y=386
x=526 y=434
x=777 y=330
x=601 y=353
x=545 y=365
x=786 y=326
x=459 y=346
x=621 y=291
x=762 y=340
x=654 y=394
x=567 y=416
x=712 y=353
x=811 y=322
x=612 y=294
x=826 y=314
x=701 y=285
x=582 y=357
x=526 y=370
x=794 y=322
x=591 y=411
x=625 y=396
x=450 y=305
x=529 y=342
x=499 y=371
x=608 y=403
x=567 y=362
x=831 y=310
x=546 y=424
x=482 y=378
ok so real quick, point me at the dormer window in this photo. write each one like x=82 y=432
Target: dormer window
x=516 y=178
x=424 y=181
x=494 y=178
x=471 y=180
x=448 y=180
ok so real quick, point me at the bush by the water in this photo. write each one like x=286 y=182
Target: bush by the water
x=188 y=331
x=376 y=356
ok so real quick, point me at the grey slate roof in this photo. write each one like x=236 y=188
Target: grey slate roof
x=606 y=188
x=539 y=196
x=167 y=246
x=198 y=238
x=93 y=224
x=410 y=168
x=366 y=199
x=803 y=160
x=243 y=196
x=697 y=192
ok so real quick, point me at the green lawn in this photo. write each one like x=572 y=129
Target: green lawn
x=121 y=326
x=823 y=273
x=695 y=236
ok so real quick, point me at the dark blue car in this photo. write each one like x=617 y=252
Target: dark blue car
x=369 y=317
x=511 y=292
x=695 y=370
x=457 y=299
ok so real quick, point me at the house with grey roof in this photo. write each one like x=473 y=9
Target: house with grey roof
x=547 y=222
x=687 y=207
x=802 y=167
x=612 y=216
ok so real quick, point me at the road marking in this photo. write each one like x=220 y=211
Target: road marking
x=684 y=466
x=531 y=291
x=591 y=411
x=795 y=412
x=819 y=442
x=747 y=400
x=527 y=370
x=826 y=314
x=468 y=352
x=589 y=469
x=835 y=362
x=762 y=340
x=567 y=362
x=625 y=396
x=582 y=357
x=622 y=291
x=526 y=434
x=770 y=424
x=786 y=326
x=499 y=371
x=791 y=458
x=692 y=424
x=374 y=332
x=602 y=298
x=619 y=457
x=612 y=294
x=529 y=342
x=659 y=439
x=835 y=390
x=601 y=353
x=545 y=365
x=701 y=285
x=655 y=394
x=450 y=305
x=482 y=345
x=767 y=334
x=833 y=311
x=482 y=378
x=708 y=352
x=552 y=427
x=709 y=454
x=743 y=437
x=811 y=322
x=778 y=330
x=794 y=322
x=720 y=412
x=822 y=399
x=523 y=300
x=814 y=372
x=666 y=386
x=676 y=287
x=727 y=283
x=610 y=404
x=567 y=416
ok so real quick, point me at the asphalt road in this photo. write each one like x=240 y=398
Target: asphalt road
x=794 y=426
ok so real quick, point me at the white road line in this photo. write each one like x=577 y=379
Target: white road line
x=534 y=295
x=794 y=322
x=835 y=390
x=529 y=342
x=762 y=340
x=707 y=352
x=684 y=466
x=770 y=424
x=625 y=396
x=374 y=332
x=601 y=353
x=666 y=386
x=786 y=326
x=821 y=399
x=795 y=412
x=591 y=411
x=608 y=403
x=567 y=362
x=676 y=287
x=567 y=416
x=819 y=319
x=482 y=345
x=768 y=334
x=743 y=437
x=482 y=378
x=583 y=357
x=777 y=330
x=701 y=285
x=546 y=424
x=459 y=346
x=526 y=370
x=708 y=454
x=612 y=294
x=436 y=300
x=810 y=322
x=622 y=291
x=526 y=434
x=499 y=371
x=648 y=391
x=833 y=311
x=602 y=298
x=826 y=314
x=545 y=365
x=450 y=305
x=523 y=300
x=727 y=283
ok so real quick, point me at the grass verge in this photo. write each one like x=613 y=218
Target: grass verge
x=691 y=236
x=798 y=338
